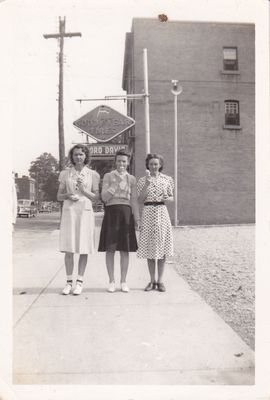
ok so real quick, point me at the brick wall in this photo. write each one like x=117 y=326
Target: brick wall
x=216 y=166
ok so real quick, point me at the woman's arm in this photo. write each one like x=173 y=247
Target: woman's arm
x=108 y=189
x=91 y=195
x=169 y=199
x=93 y=192
x=168 y=191
x=62 y=194
x=143 y=191
x=134 y=203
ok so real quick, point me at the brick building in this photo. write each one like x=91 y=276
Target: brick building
x=214 y=63
x=25 y=187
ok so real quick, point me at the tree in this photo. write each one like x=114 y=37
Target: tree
x=45 y=170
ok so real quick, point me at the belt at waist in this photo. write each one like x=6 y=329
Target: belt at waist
x=154 y=203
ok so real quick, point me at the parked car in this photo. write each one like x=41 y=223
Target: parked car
x=45 y=206
x=27 y=207
x=56 y=206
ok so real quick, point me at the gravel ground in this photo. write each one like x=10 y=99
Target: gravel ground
x=219 y=264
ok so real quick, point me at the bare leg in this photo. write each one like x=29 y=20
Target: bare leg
x=152 y=268
x=82 y=264
x=110 y=264
x=69 y=263
x=124 y=260
x=161 y=263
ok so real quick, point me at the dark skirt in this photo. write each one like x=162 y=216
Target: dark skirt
x=118 y=229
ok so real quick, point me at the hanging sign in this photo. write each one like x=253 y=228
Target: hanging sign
x=106 y=149
x=103 y=123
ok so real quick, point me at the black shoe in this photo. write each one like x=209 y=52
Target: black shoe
x=161 y=287
x=150 y=286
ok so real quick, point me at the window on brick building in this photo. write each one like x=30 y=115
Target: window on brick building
x=232 y=114
x=230 y=59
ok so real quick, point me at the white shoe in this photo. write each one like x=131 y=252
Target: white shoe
x=67 y=288
x=124 y=287
x=111 y=287
x=78 y=288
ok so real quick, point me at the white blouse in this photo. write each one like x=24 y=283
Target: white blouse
x=68 y=183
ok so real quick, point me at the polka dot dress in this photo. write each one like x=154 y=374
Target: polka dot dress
x=156 y=237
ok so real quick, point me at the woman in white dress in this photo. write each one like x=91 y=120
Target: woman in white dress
x=156 y=237
x=79 y=186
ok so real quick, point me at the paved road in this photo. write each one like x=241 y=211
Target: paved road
x=119 y=338
x=42 y=222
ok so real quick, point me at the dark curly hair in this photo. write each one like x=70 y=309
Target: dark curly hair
x=121 y=152
x=84 y=149
x=158 y=157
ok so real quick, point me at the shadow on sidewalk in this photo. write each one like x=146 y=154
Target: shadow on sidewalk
x=36 y=290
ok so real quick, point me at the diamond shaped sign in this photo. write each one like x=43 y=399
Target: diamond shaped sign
x=103 y=123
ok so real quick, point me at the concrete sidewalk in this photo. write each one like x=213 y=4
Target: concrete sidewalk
x=120 y=338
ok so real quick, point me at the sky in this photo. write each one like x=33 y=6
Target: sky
x=93 y=62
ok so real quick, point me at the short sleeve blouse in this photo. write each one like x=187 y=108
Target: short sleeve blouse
x=68 y=181
x=160 y=186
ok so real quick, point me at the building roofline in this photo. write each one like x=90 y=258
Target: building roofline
x=191 y=21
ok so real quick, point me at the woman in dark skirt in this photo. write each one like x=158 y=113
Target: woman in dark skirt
x=121 y=217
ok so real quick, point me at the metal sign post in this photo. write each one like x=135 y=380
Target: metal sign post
x=146 y=102
x=176 y=90
x=139 y=96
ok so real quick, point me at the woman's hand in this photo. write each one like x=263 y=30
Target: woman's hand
x=166 y=198
x=73 y=197
x=137 y=225
x=80 y=185
x=147 y=177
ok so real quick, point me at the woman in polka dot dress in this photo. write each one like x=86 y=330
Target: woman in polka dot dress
x=156 y=237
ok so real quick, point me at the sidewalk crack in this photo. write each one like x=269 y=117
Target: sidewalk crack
x=38 y=296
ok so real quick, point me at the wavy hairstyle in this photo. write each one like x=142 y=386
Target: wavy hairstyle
x=84 y=149
x=158 y=157
x=121 y=152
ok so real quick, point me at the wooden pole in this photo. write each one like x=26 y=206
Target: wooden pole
x=61 y=35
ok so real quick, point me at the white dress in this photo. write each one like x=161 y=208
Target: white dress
x=77 y=228
x=156 y=236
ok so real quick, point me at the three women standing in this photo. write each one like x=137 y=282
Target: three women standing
x=79 y=186
x=156 y=237
x=121 y=217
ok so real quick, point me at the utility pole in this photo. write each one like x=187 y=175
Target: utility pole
x=61 y=35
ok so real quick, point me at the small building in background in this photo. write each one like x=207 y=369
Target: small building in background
x=26 y=187
x=215 y=65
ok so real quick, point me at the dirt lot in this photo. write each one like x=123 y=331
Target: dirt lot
x=218 y=263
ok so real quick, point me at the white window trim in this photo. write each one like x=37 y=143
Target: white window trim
x=232 y=127
x=228 y=72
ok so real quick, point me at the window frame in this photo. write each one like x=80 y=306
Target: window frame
x=228 y=121
x=227 y=61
